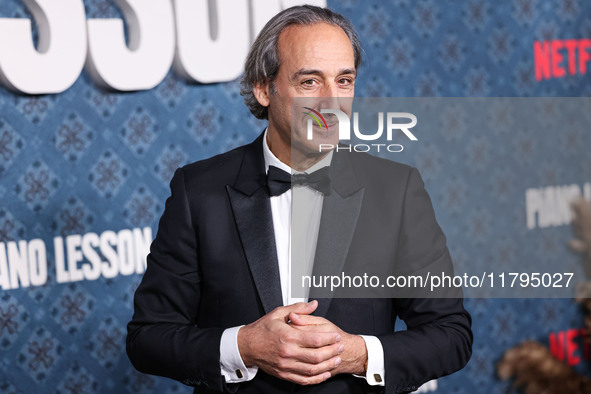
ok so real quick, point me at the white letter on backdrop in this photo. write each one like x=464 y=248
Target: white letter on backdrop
x=212 y=39
x=151 y=46
x=57 y=63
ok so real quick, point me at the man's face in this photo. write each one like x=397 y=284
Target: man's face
x=318 y=64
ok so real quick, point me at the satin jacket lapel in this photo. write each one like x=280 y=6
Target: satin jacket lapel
x=340 y=211
x=252 y=212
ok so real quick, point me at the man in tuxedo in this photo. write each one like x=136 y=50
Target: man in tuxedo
x=214 y=309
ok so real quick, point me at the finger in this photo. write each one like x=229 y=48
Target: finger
x=303 y=308
x=306 y=320
x=308 y=307
x=324 y=328
x=304 y=380
x=314 y=339
x=317 y=355
x=305 y=369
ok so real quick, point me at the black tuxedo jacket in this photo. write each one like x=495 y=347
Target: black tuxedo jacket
x=213 y=265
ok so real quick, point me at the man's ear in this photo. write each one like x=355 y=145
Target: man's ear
x=261 y=93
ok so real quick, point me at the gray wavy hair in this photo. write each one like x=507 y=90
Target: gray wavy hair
x=262 y=62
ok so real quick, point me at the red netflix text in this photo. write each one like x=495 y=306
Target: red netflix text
x=570 y=346
x=556 y=58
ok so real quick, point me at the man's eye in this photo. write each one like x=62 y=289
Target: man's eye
x=346 y=81
x=309 y=82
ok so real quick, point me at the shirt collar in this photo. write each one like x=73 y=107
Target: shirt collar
x=272 y=160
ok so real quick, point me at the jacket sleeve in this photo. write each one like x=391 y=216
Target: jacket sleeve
x=162 y=337
x=438 y=339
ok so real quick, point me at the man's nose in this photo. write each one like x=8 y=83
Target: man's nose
x=330 y=96
x=330 y=90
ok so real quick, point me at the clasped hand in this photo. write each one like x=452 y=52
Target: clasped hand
x=293 y=345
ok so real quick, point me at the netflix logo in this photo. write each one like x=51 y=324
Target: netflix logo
x=556 y=58
x=571 y=346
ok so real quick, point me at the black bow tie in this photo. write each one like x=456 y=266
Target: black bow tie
x=279 y=181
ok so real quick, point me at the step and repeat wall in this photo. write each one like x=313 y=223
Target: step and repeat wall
x=100 y=104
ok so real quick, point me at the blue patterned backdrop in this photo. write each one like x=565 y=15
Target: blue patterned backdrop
x=88 y=160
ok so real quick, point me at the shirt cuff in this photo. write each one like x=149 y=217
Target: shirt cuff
x=375 y=374
x=231 y=364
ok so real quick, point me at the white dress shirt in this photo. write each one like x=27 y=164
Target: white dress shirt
x=309 y=209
